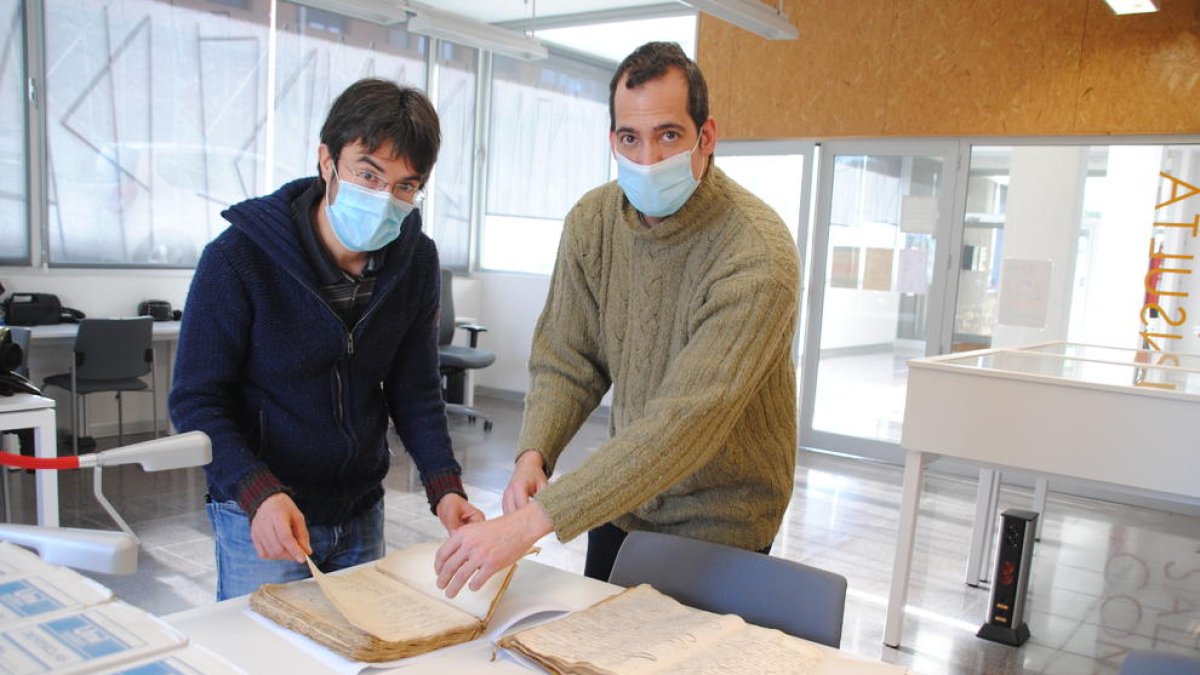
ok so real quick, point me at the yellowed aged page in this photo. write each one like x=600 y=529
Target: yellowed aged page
x=388 y=609
x=762 y=651
x=637 y=631
x=414 y=566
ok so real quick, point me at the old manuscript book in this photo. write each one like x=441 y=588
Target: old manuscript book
x=641 y=631
x=387 y=610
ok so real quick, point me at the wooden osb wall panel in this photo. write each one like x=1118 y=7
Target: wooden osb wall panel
x=957 y=68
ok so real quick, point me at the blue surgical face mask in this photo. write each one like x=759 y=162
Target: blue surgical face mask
x=362 y=219
x=660 y=189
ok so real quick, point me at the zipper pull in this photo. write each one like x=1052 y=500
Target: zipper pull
x=350 y=343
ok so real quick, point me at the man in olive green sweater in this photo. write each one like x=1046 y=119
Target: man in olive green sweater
x=677 y=288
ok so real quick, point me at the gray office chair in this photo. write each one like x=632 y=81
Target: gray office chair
x=797 y=599
x=20 y=337
x=455 y=360
x=1150 y=662
x=110 y=355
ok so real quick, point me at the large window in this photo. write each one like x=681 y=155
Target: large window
x=318 y=55
x=14 y=230
x=451 y=204
x=154 y=117
x=549 y=145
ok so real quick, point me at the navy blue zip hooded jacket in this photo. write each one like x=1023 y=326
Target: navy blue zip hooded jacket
x=292 y=398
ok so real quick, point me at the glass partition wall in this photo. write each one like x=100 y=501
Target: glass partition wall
x=925 y=248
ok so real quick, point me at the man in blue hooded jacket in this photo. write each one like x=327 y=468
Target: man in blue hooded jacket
x=310 y=321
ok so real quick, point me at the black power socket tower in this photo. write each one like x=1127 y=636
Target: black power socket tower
x=1006 y=608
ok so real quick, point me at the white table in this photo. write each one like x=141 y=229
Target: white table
x=26 y=411
x=1119 y=416
x=64 y=333
x=229 y=629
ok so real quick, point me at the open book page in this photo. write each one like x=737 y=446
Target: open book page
x=387 y=608
x=637 y=631
x=84 y=641
x=762 y=651
x=55 y=589
x=414 y=566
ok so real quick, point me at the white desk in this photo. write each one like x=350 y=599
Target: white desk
x=228 y=629
x=1095 y=413
x=64 y=333
x=26 y=411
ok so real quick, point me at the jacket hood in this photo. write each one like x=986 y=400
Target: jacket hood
x=267 y=221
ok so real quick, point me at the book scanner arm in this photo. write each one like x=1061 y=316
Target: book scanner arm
x=100 y=550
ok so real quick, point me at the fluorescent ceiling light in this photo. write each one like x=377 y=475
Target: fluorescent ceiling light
x=472 y=33
x=1133 y=6
x=751 y=15
x=381 y=12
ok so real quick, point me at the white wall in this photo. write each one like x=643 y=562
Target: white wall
x=509 y=305
x=1045 y=200
x=101 y=293
x=1109 y=306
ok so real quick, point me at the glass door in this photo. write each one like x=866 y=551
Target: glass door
x=882 y=247
x=779 y=173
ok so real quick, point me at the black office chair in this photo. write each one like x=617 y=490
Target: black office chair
x=110 y=355
x=772 y=592
x=456 y=360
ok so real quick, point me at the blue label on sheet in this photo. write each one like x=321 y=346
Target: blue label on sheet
x=85 y=636
x=24 y=599
x=156 y=668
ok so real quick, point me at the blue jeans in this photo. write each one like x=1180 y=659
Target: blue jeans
x=240 y=571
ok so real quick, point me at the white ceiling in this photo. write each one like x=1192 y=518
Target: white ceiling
x=497 y=11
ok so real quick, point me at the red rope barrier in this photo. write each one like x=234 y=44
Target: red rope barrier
x=9 y=459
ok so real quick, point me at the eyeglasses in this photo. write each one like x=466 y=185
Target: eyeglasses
x=405 y=191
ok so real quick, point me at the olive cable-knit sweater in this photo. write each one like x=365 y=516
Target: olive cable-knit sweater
x=691 y=323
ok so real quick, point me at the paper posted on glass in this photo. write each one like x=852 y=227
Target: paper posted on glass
x=384 y=611
x=1025 y=292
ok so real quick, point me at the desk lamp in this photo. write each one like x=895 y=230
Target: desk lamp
x=100 y=550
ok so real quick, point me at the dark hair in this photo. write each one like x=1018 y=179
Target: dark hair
x=650 y=62
x=377 y=112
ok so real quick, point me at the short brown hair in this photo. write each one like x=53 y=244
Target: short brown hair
x=377 y=112
x=650 y=62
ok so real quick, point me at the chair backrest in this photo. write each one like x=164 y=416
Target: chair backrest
x=446 y=320
x=1150 y=662
x=764 y=590
x=114 y=349
x=20 y=337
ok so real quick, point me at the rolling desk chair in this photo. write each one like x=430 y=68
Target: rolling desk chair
x=110 y=355
x=455 y=361
x=771 y=592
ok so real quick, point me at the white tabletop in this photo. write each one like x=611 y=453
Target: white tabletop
x=64 y=333
x=22 y=402
x=235 y=632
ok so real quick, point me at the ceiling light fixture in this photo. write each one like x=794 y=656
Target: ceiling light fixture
x=1133 y=6
x=751 y=15
x=376 y=11
x=465 y=31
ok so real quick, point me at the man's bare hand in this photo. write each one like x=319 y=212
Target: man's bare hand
x=278 y=530
x=454 y=512
x=475 y=552
x=528 y=478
